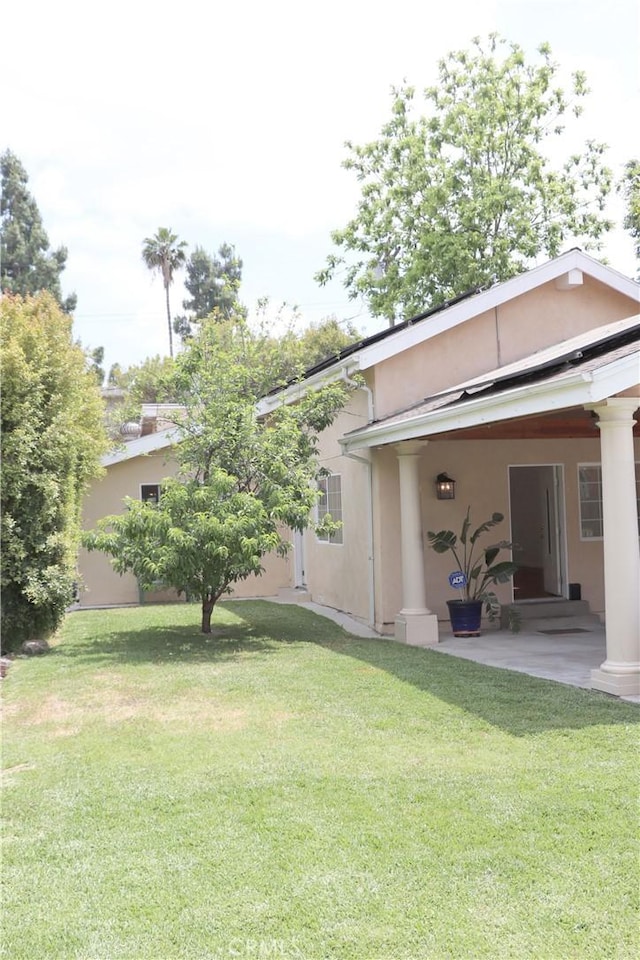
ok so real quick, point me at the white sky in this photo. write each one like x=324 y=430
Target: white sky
x=227 y=122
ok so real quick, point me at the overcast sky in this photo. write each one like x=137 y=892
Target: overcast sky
x=227 y=122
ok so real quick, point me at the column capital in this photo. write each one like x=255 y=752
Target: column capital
x=410 y=448
x=615 y=409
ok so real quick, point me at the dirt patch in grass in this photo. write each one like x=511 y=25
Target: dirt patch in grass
x=10 y=772
x=120 y=702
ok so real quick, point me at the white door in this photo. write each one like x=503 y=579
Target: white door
x=537 y=530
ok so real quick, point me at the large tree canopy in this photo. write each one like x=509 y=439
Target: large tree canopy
x=279 y=358
x=464 y=195
x=213 y=284
x=243 y=478
x=145 y=382
x=52 y=439
x=631 y=189
x=27 y=265
x=165 y=253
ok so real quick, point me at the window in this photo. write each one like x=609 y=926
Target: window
x=590 y=492
x=330 y=501
x=150 y=492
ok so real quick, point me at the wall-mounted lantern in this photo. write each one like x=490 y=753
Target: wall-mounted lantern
x=445 y=487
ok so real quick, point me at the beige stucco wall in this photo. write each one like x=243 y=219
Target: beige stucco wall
x=337 y=574
x=481 y=469
x=100 y=585
x=276 y=575
x=512 y=331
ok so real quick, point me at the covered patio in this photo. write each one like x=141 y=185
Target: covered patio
x=581 y=388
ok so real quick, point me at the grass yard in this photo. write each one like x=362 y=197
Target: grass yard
x=285 y=790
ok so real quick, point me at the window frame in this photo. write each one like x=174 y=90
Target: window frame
x=581 y=520
x=330 y=538
x=147 y=499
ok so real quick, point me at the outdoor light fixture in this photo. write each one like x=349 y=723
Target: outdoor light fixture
x=445 y=487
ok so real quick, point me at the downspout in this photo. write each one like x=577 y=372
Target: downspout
x=367 y=463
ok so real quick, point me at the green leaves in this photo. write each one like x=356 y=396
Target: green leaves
x=200 y=538
x=27 y=265
x=630 y=187
x=479 y=574
x=165 y=253
x=53 y=436
x=463 y=195
x=243 y=479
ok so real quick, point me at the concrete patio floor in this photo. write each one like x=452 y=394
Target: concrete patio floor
x=566 y=658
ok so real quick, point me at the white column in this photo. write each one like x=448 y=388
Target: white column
x=620 y=672
x=415 y=624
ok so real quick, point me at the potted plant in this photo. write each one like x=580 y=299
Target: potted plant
x=477 y=573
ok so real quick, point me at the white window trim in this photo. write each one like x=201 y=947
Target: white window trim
x=327 y=541
x=598 y=463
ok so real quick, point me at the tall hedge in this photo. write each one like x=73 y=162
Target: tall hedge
x=52 y=440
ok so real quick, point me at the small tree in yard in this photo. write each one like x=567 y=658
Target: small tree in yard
x=242 y=479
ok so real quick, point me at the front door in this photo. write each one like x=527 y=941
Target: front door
x=537 y=531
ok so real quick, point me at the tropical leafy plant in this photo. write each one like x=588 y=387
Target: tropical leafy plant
x=480 y=571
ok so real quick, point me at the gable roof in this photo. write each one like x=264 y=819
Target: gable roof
x=142 y=446
x=583 y=370
x=394 y=340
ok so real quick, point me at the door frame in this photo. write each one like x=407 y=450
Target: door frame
x=299 y=573
x=560 y=533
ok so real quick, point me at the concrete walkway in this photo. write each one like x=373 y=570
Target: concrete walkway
x=565 y=658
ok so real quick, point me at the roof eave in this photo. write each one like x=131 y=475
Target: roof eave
x=575 y=389
x=142 y=446
x=496 y=296
x=296 y=391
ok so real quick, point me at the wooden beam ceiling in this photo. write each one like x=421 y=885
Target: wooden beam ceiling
x=567 y=424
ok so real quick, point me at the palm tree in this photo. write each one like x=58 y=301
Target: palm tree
x=164 y=253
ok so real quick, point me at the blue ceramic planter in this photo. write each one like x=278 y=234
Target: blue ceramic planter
x=465 y=616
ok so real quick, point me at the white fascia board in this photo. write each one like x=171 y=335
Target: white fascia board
x=482 y=302
x=575 y=389
x=616 y=376
x=297 y=390
x=142 y=446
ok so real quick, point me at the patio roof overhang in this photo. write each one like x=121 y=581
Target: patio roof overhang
x=545 y=405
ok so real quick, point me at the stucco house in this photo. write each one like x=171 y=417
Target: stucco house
x=527 y=395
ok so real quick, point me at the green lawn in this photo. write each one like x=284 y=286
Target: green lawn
x=282 y=789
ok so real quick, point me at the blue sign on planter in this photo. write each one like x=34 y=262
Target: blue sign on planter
x=457 y=580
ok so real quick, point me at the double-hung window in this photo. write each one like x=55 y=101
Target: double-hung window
x=330 y=501
x=590 y=496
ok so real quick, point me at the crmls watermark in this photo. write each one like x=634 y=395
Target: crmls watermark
x=269 y=949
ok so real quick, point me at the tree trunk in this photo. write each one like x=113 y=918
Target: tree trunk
x=166 y=289
x=208 y=604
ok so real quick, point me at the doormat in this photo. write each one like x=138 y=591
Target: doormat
x=556 y=633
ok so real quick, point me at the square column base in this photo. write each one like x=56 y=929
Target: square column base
x=617 y=684
x=417 y=629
